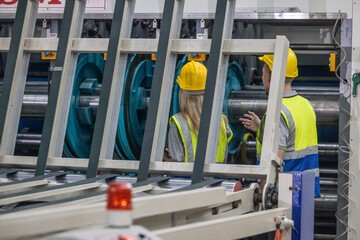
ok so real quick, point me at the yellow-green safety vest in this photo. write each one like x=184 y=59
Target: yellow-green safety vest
x=301 y=152
x=189 y=139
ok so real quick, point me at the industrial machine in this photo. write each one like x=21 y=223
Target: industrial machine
x=91 y=99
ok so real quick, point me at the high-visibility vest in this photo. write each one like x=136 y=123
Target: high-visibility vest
x=189 y=139
x=301 y=152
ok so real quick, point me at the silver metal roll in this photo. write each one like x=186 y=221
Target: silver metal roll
x=324 y=104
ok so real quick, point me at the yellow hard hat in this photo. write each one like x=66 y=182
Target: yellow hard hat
x=192 y=77
x=291 y=68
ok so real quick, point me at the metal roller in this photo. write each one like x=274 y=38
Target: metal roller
x=239 y=102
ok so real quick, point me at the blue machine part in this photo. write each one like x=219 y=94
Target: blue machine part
x=303 y=205
x=235 y=81
x=80 y=126
x=30 y=125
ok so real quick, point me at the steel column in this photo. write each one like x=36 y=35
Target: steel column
x=214 y=90
x=55 y=122
x=103 y=142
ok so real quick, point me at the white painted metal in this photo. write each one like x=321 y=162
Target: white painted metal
x=14 y=187
x=141 y=46
x=146 y=46
x=32 y=196
x=4 y=44
x=180 y=46
x=285 y=196
x=180 y=201
x=173 y=168
x=354 y=166
x=38 y=45
x=11 y=124
x=243 y=199
x=235 y=227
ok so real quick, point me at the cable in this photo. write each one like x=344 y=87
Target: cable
x=276 y=235
x=281 y=233
x=348 y=208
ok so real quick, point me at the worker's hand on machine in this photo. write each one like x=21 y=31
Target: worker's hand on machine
x=251 y=122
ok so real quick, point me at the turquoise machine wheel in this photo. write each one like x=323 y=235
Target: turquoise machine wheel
x=132 y=118
x=175 y=106
x=80 y=126
x=133 y=111
x=235 y=81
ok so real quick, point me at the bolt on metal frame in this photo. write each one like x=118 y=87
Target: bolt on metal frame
x=159 y=105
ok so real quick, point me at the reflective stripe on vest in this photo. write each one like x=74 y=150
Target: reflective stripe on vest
x=189 y=139
x=301 y=153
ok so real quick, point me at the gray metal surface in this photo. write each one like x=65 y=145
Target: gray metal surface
x=344 y=135
x=239 y=102
x=102 y=146
x=162 y=84
x=343 y=179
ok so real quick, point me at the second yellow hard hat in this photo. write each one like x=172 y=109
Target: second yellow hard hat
x=192 y=76
x=291 y=67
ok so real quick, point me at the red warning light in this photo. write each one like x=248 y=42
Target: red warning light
x=119 y=196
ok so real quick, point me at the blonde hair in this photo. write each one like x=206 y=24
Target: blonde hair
x=190 y=109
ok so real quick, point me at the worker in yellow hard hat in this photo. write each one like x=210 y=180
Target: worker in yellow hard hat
x=298 y=146
x=184 y=126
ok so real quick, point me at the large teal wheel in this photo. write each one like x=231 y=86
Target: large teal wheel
x=80 y=126
x=133 y=112
x=132 y=118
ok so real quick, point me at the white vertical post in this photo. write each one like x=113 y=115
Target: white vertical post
x=271 y=138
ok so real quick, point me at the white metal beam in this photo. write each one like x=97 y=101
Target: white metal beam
x=147 y=46
x=170 y=168
x=227 y=228
x=4 y=44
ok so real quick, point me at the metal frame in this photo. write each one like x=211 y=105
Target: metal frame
x=168 y=46
x=178 y=46
x=43 y=221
